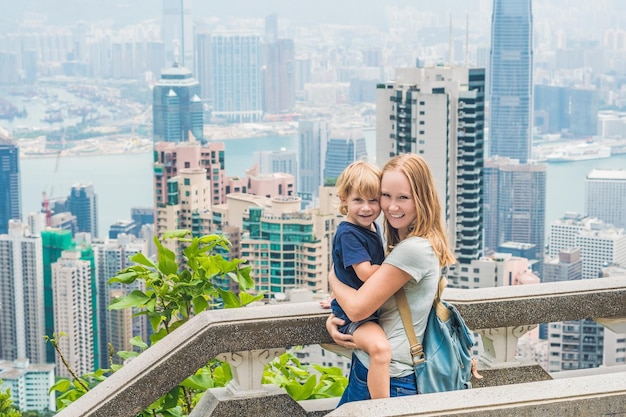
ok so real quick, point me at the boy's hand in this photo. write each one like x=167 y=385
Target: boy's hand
x=326 y=303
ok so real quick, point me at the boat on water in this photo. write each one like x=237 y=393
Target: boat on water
x=582 y=152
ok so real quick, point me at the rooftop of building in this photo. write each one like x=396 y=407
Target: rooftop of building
x=607 y=174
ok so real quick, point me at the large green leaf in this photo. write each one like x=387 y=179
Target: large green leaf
x=301 y=392
x=138 y=341
x=199 y=381
x=244 y=281
x=124 y=278
x=229 y=298
x=171 y=398
x=61 y=385
x=178 y=233
x=135 y=299
x=199 y=304
x=167 y=266
x=127 y=354
x=246 y=298
x=141 y=259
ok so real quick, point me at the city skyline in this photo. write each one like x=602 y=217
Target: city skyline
x=417 y=82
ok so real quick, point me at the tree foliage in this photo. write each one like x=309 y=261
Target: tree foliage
x=6 y=404
x=173 y=292
x=301 y=382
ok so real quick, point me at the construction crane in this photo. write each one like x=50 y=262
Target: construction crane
x=45 y=201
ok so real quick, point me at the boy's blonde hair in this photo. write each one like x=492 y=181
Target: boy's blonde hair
x=360 y=177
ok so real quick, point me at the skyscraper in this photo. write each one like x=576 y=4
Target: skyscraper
x=236 y=77
x=279 y=76
x=341 y=151
x=566 y=109
x=515 y=208
x=271 y=27
x=312 y=141
x=54 y=242
x=82 y=204
x=511 y=80
x=203 y=71
x=605 y=196
x=10 y=196
x=283 y=160
x=116 y=327
x=178 y=32
x=21 y=295
x=176 y=107
x=73 y=312
x=438 y=113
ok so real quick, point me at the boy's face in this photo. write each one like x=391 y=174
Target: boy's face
x=362 y=210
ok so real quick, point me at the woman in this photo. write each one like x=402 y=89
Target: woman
x=417 y=248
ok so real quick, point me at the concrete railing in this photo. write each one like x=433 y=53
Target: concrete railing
x=251 y=337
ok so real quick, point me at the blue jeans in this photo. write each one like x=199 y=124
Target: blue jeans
x=357 y=384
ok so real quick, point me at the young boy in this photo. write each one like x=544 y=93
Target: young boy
x=357 y=252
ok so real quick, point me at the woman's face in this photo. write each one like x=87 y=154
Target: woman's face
x=397 y=201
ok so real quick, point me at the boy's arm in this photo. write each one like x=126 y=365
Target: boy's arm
x=364 y=270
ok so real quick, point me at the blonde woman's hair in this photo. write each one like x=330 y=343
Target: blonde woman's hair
x=429 y=220
x=360 y=177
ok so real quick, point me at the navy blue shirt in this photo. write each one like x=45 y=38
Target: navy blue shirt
x=352 y=245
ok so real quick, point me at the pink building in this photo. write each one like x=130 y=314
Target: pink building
x=278 y=184
x=170 y=158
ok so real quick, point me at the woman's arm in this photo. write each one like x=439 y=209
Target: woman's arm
x=362 y=303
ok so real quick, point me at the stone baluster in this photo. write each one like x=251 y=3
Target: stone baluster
x=247 y=368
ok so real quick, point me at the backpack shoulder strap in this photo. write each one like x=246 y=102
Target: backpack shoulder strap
x=417 y=351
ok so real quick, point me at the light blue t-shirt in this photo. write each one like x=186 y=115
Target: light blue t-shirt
x=416 y=257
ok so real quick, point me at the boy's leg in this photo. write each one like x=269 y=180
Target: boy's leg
x=371 y=338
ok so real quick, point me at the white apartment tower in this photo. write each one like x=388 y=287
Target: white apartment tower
x=73 y=313
x=283 y=160
x=600 y=243
x=117 y=327
x=236 y=76
x=22 y=327
x=29 y=384
x=605 y=196
x=438 y=113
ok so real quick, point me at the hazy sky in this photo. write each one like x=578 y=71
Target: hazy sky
x=316 y=11
x=577 y=16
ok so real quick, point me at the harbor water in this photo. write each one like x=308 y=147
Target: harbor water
x=125 y=181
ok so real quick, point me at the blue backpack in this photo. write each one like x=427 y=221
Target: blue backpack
x=443 y=362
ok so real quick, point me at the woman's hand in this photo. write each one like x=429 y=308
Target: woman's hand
x=345 y=340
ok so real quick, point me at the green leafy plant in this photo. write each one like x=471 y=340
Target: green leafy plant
x=301 y=382
x=174 y=291
x=6 y=404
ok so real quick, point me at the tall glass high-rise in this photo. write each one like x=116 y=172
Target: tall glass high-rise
x=511 y=79
x=10 y=198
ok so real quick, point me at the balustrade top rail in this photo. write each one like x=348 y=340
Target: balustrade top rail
x=205 y=336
